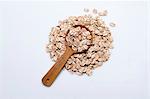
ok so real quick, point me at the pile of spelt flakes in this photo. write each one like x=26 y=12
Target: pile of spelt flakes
x=85 y=32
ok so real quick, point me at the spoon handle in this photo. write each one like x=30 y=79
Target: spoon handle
x=52 y=74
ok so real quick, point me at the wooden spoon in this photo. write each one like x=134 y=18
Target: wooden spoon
x=51 y=75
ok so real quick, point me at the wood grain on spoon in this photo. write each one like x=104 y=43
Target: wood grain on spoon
x=52 y=74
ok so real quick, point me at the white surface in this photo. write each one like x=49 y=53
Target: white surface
x=24 y=34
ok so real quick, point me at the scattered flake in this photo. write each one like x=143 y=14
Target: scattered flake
x=94 y=11
x=86 y=10
x=112 y=24
x=103 y=13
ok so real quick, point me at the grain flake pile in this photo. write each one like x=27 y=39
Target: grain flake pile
x=88 y=32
